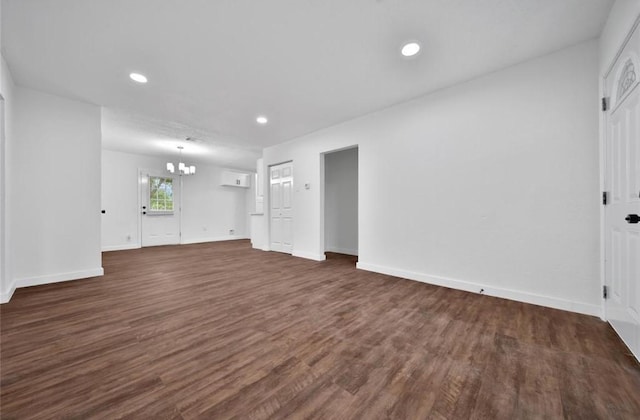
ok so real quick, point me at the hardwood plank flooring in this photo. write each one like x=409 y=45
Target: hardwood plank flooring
x=220 y=330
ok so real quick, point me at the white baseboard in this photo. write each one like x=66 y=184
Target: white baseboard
x=212 y=239
x=56 y=278
x=550 y=302
x=345 y=251
x=120 y=247
x=309 y=256
x=6 y=296
x=184 y=242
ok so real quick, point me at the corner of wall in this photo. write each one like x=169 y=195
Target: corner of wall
x=5 y=297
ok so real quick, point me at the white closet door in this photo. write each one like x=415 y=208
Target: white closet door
x=281 y=207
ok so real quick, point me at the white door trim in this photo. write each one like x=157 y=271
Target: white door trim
x=603 y=168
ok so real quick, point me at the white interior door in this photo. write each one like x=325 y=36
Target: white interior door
x=281 y=207
x=159 y=209
x=622 y=180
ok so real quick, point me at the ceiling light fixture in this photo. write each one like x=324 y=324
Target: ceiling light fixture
x=262 y=120
x=410 y=49
x=137 y=77
x=182 y=168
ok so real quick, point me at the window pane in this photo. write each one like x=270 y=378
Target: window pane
x=154 y=182
x=161 y=193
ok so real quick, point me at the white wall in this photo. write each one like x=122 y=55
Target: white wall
x=209 y=209
x=7 y=286
x=489 y=184
x=341 y=202
x=54 y=194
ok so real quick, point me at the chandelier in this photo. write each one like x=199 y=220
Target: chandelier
x=182 y=168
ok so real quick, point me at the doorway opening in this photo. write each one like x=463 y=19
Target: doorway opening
x=341 y=203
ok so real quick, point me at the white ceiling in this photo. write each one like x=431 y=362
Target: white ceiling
x=213 y=66
x=135 y=133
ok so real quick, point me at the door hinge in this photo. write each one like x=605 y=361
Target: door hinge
x=604 y=198
x=605 y=103
x=605 y=292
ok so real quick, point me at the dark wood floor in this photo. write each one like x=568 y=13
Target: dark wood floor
x=220 y=331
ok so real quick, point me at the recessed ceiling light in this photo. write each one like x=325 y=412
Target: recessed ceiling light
x=137 y=77
x=262 y=119
x=410 y=49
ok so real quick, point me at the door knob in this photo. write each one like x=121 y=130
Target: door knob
x=632 y=218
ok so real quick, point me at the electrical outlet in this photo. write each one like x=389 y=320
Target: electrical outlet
x=231 y=231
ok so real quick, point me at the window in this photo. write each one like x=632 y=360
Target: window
x=160 y=194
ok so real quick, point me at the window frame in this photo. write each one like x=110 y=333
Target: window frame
x=163 y=181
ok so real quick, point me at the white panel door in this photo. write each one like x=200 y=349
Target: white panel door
x=160 y=209
x=281 y=207
x=622 y=180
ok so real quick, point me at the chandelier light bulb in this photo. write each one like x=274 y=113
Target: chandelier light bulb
x=183 y=169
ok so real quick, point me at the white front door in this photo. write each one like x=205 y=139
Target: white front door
x=160 y=208
x=281 y=207
x=622 y=181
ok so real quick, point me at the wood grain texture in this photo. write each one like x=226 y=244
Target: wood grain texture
x=220 y=330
